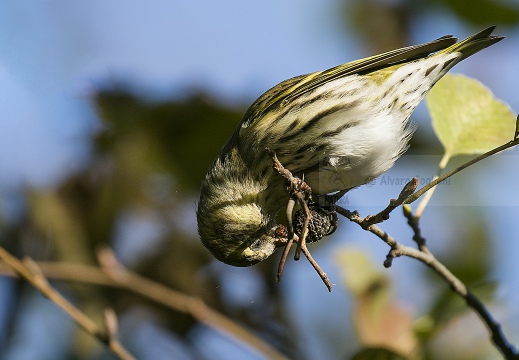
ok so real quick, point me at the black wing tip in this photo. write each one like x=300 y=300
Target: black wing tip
x=483 y=33
x=483 y=36
x=486 y=32
x=445 y=37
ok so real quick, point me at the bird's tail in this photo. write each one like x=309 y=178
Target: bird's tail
x=473 y=44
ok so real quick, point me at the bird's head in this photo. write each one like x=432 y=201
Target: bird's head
x=239 y=234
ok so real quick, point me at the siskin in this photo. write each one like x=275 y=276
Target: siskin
x=337 y=129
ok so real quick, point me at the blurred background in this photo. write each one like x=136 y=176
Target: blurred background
x=112 y=111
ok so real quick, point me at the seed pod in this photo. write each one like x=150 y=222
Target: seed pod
x=322 y=223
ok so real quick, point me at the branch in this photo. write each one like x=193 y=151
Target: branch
x=113 y=274
x=425 y=256
x=32 y=273
x=301 y=193
x=407 y=191
x=435 y=182
x=498 y=338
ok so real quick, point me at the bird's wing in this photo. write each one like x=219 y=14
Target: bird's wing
x=294 y=87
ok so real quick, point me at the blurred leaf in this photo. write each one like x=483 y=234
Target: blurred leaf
x=381 y=25
x=463 y=337
x=470 y=257
x=449 y=305
x=484 y=12
x=470 y=254
x=54 y=219
x=378 y=321
x=360 y=275
x=467 y=118
x=180 y=137
x=377 y=354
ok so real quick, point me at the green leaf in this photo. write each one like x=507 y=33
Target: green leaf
x=466 y=116
x=361 y=276
x=379 y=321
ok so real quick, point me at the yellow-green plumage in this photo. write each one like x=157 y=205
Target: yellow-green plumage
x=339 y=128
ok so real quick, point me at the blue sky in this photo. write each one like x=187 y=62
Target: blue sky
x=55 y=54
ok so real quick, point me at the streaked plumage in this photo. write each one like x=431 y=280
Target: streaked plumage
x=339 y=128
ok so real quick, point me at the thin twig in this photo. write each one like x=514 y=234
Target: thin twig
x=178 y=301
x=408 y=190
x=428 y=195
x=435 y=182
x=32 y=273
x=472 y=301
x=291 y=238
x=301 y=193
x=112 y=328
x=413 y=221
x=115 y=275
x=284 y=257
x=304 y=230
x=425 y=256
x=304 y=248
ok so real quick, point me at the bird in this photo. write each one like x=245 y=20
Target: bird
x=337 y=129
